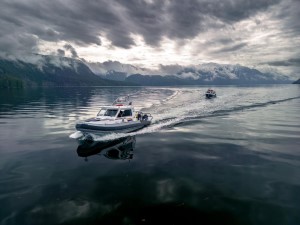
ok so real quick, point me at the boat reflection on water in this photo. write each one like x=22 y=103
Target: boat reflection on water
x=115 y=149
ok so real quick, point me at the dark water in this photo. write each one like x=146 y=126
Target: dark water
x=230 y=160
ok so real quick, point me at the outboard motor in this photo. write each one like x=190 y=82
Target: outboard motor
x=145 y=117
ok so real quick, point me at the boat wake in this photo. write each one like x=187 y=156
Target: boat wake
x=184 y=105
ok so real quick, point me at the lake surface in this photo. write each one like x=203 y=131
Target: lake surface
x=230 y=160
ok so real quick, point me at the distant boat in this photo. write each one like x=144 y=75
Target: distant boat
x=210 y=93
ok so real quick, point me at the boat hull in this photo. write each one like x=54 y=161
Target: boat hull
x=210 y=95
x=112 y=128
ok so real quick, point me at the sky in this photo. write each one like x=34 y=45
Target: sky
x=262 y=34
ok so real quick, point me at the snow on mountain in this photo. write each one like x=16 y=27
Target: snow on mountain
x=110 y=66
x=217 y=70
x=41 y=61
x=208 y=72
x=42 y=70
x=188 y=75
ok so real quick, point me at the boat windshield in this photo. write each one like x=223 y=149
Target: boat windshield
x=107 y=112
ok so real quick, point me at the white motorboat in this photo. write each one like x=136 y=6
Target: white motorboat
x=210 y=93
x=120 y=117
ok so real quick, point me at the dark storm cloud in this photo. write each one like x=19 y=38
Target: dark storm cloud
x=231 y=48
x=237 y=10
x=146 y=19
x=72 y=50
x=186 y=19
x=85 y=22
x=290 y=62
x=224 y=41
x=60 y=52
x=289 y=14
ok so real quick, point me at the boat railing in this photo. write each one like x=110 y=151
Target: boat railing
x=122 y=101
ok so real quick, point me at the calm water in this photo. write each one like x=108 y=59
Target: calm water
x=230 y=160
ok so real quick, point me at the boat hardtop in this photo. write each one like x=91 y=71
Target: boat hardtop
x=210 y=91
x=122 y=101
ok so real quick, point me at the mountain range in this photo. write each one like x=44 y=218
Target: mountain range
x=40 y=70
x=48 y=71
x=203 y=74
x=297 y=82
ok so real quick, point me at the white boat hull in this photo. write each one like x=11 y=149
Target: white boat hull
x=102 y=128
x=208 y=95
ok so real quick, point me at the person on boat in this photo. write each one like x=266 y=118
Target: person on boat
x=120 y=114
x=145 y=117
x=138 y=116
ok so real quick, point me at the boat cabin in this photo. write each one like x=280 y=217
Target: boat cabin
x=116 y=112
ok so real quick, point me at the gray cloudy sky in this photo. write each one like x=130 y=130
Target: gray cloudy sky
x=258 y=33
